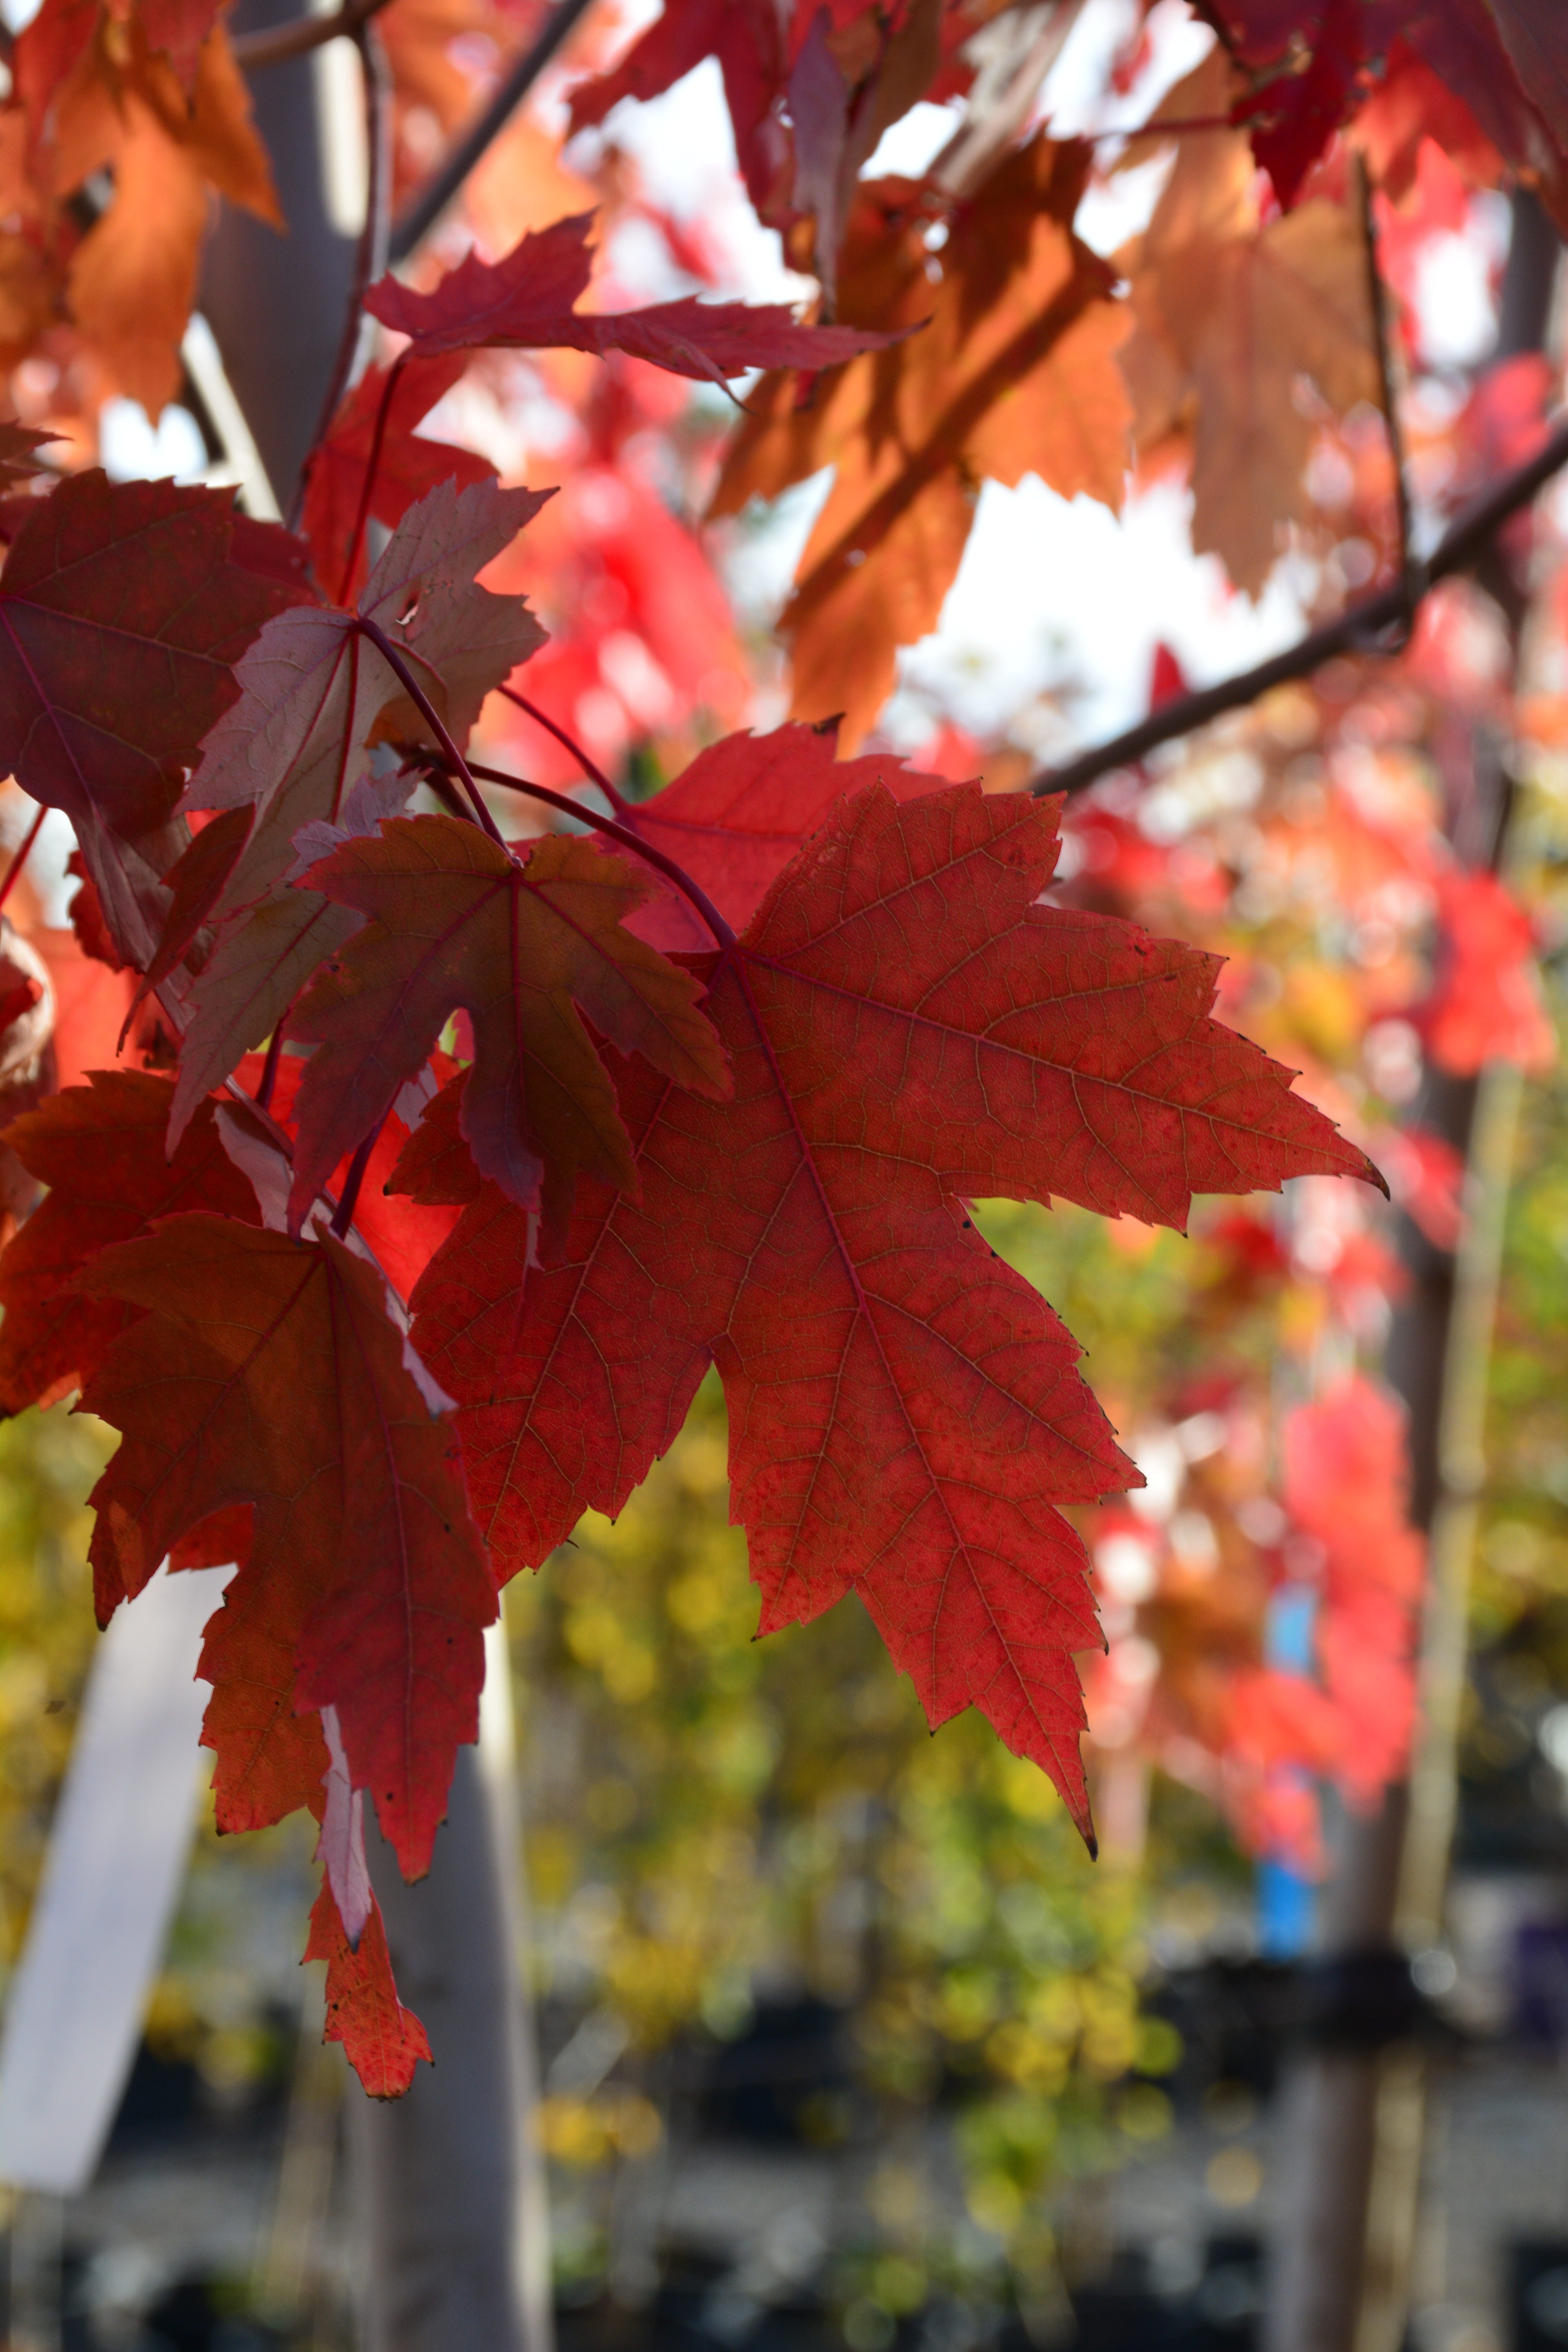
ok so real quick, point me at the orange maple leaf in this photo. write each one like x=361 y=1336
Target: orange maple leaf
x=1012 y=371
x=1231 y=310
x=151 y=93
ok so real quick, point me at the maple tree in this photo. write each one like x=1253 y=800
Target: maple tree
x=423 y=1167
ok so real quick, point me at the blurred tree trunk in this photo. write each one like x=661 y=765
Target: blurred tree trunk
x=276 y=304
x=452 y=2206
x=1352 y=2112
x=444 y=2174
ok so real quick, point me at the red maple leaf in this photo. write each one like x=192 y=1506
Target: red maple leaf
x=1295 y=118
x=736 y=817
x=122 y=608
x=86 y=918
x=525 y=303
x=296 y=749
x=382 y=2039
x=1347 y=1483
x=19 y=445
x=267 y=1372
x=455 y=918
x=908 y=1027
x=746 y=38
x=1311 y=65
x=1485 y=1003
x=406 y=465
x=403 y=1228
x=99 y=1149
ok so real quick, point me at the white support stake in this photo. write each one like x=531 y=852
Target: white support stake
x=117 y=1854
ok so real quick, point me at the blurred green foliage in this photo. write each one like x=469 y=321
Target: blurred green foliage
x=711 y=1817
x=49 y=1465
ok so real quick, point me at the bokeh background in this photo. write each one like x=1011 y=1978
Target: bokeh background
x=844 y=2038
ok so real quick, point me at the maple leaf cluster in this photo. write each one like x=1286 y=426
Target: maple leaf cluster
x=420 y=1169
x=380 y=1328
x=1034 y=355
x=150 y=96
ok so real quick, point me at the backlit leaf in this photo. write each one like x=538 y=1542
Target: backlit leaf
x=454 y=920
x=268 y=1372
x=908 y=1027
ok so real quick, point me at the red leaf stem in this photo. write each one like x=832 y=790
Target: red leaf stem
x=431 y=716
x=356 y=539
x=590 y=768
x=270 y=1067
x=628 y=839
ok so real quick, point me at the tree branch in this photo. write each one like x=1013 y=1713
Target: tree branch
x=460 y=158
x=1388 y=394
x=280 y=42
x=370 y=254
x=1356 y=631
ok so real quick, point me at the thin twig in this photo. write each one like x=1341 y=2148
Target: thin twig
x=13 y=871
x=460 y=158
x=373 y=464
x=590 y=768
x=343 y=1214
x=1388 y=392
x=370 y=254
x=432 y=773
x=433 y=720
x=1358 y=630
x=268 y=1079
x=279 y=43
x=628 y=838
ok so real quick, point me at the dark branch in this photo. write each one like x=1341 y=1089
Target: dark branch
x=278 y=43
x=1361 y=628
x=466 y=151
x=370 y=254
x=1388 y=392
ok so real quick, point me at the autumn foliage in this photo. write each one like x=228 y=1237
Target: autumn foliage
x=435 y=1162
